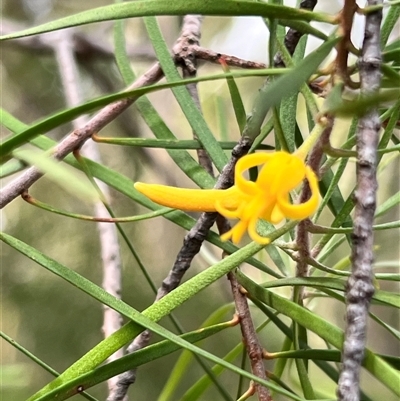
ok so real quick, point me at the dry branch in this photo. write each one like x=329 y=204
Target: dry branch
x=360 y=285
x=293 y=36
x=250 y=339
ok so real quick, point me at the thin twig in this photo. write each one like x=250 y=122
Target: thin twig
x=213 y=57
x=184 y=57
x=251 y=342
x=302 y=235
x=303 y=244
x=360 y=287
x=293 y=36
x=346 y=23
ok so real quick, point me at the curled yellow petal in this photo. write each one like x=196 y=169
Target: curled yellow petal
x=195 y=200
x=245 y=163
x=267 y=198
x=302 y=210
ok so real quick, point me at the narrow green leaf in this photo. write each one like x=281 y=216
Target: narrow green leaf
x=393 y=201
x=186 y=102
x=392 y=76
x=10 y=122
x=351 y=108
x=129 y=219
x=391 y=55
x=386 y=297
x=237 y=102
x=121 y=56
x=265 y=131
x=280 y=139
x=307 y=387
x=394 y=45
x=169 y=143
x=178 y=7
x=329 y=247
x=177 y=375
x=274 y=254
x=271 y=94
x=287 y=116
x=38 y=361
x=58 y=173
x=390 y=329
x=391 y=125
x=325 y=355
x=304 y=28
x=320 y=354
x=392 y=18
x=67 y=115
x=147 y=318
x=332 y=194
x=131 y=361
x=330 y=333
x=288 y=106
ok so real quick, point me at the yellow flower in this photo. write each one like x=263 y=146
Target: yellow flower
x=267 y=198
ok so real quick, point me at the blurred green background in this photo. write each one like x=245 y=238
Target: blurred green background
x=54 y=320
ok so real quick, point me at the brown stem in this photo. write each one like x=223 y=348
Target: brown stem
x=346 y=23
x=360 y=285
x=293 y=36
x=213 y=57
x=253 y=347
x=186 y=58
x=302 y=236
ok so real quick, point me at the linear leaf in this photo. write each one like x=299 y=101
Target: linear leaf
x=169 y=143
x=39 y=362
x=237 y=103
x=177 y=7
x=58 y=173
x=330 y=333
x=358 y=107
x=147 y=318
x=67 y=115
x=182 y=364
x=186 y=102
x=131 y=361
x=272 y=93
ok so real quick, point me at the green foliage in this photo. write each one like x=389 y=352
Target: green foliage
x=311 y=335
